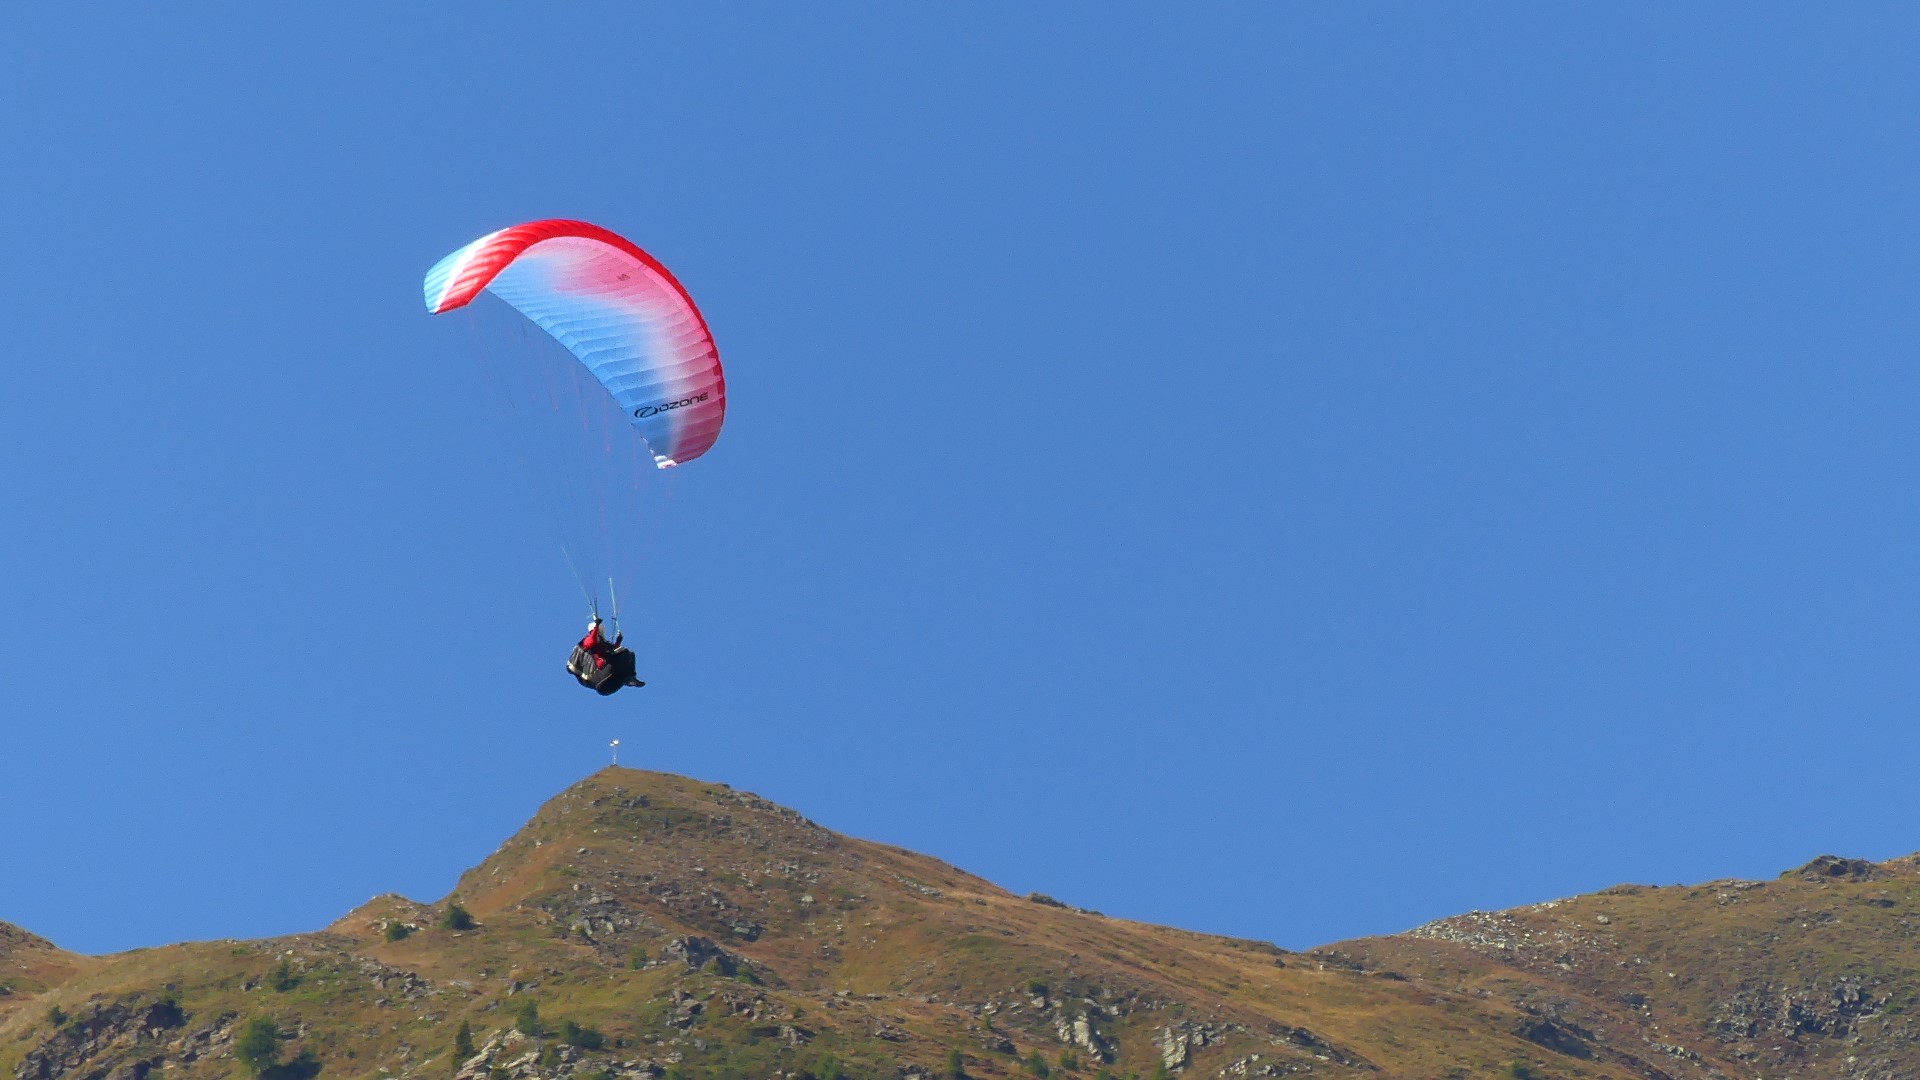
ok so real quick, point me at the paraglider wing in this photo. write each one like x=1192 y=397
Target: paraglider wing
x=619 y=312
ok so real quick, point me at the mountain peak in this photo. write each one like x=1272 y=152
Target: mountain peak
x=29 y=964
x=626 y=857
x=15 y=940
x=622 y=824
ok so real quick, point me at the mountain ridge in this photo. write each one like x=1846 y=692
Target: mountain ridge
x=697 y=930
x=29 y=964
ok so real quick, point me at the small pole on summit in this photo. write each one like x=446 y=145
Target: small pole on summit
x=615 y=745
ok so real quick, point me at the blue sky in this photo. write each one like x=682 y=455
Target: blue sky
x=1285 y=471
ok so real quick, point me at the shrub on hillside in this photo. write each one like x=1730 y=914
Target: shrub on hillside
x=527 y=1020
x=456 y=918
x=585 y=1038
x=283 y=978
x=398 y=931
x=463 y=1048
x=258 y=1047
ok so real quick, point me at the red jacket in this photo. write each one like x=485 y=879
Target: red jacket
x=598 y=645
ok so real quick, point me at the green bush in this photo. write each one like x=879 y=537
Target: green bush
x=1037 y=1065
x=527 y=1020
x=585 y=1038
x=57 y=1016
x=258 y=1047
x=398 y=931
x=457 y=918
x=463 y=1048
x=956 y=1065
x=283 y=978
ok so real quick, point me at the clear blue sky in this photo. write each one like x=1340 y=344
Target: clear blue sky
x=1280 y=470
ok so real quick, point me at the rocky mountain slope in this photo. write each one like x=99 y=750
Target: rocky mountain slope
x=645 y=925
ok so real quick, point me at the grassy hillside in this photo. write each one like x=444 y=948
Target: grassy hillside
x=28 y=966
x=650 y=925
x=1815 y=974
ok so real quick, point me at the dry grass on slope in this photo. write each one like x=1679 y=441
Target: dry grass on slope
x=1816 y=973
x=29 y=965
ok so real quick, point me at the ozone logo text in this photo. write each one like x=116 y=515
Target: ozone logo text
x=645 y=411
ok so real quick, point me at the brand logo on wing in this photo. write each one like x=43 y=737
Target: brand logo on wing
x=645 y=411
